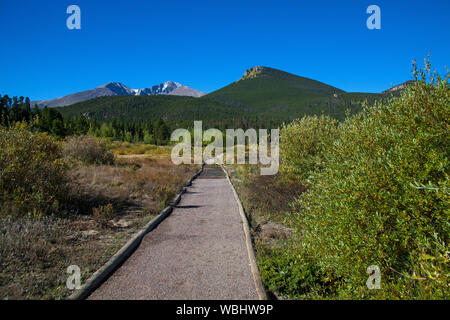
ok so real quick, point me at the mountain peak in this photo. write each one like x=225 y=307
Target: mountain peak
x=400 y=86
x=267 y=72
x=117 y=88
x=109 y=84
x=254 y=72
x=172 y=83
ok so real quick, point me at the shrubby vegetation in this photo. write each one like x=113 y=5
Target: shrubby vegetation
x=88 y=150
x=377 y=195
x=304 y=144
x=32 y=172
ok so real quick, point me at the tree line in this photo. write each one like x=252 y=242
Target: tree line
x=150 y=131
x=18 y=109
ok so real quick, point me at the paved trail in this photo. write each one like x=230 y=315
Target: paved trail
x=198 y=252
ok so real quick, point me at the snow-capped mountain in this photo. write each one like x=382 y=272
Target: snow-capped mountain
x=119 y=89
x=163 y=88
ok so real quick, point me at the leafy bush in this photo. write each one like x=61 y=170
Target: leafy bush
x=383 y=199
x=291 y=274
x=304 y=144
x=32 y=172
x=87 y=149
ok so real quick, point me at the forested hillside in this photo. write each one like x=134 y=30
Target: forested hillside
x=274 y=93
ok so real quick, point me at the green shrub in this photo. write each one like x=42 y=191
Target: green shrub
x=383 y=199
x=304 y=144
x=32 y=172
x=293 y=275
x=88 y=150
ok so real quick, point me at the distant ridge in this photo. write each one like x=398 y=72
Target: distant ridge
x=119 y=89
x=260 y=89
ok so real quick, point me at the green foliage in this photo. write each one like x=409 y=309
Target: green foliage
x=382 y=198
x=151 y=132
x=293 y=275
x=77 y=126
x=161 y=131
x=50 y=120
x=15 y=109
x=128 y=136
x=304 y=145
x=32 y=172
x=149 y=138
x=88 y=150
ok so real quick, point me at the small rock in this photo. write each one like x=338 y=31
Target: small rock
x=122 y=223
x=89 y=233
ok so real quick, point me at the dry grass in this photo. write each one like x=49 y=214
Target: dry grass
x=147 y=182
x=108 y=204
x=266 y=200
x=86 y=149
x=35 y=253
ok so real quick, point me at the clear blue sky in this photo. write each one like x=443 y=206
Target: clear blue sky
x=209 y=44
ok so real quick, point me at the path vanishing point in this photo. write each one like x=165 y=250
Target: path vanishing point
x=198 y=252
